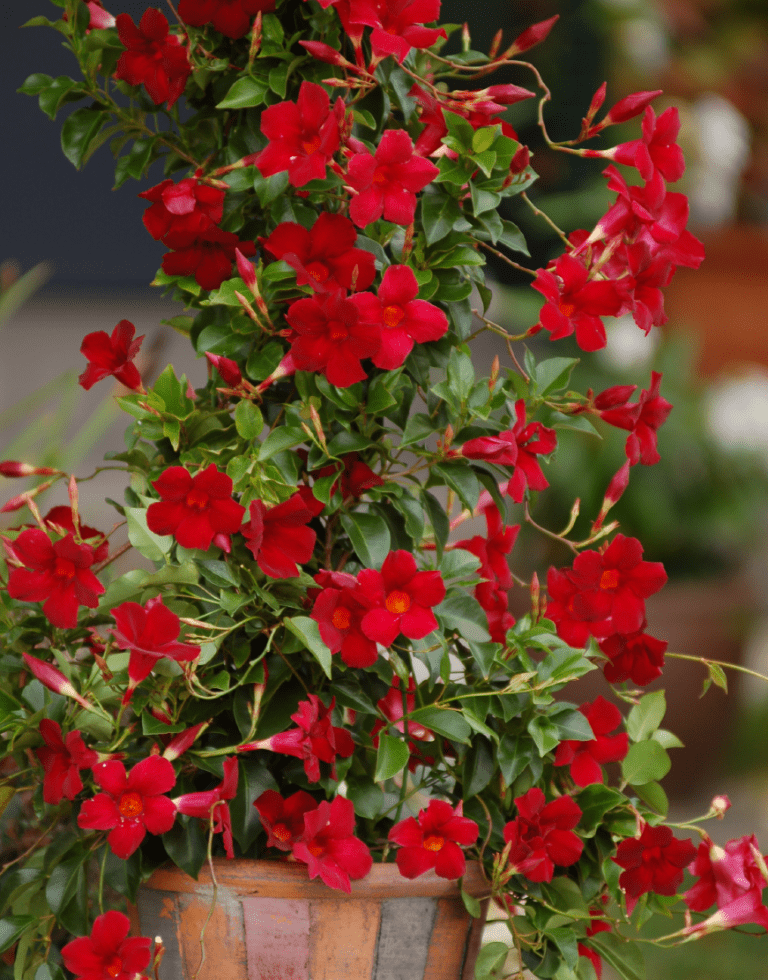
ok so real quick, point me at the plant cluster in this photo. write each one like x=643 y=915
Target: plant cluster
x=311 y=663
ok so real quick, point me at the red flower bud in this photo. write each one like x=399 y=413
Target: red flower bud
x=531 y=36
x=628 y=107
x=11 y=468
x=228 y=370
x=52 y=678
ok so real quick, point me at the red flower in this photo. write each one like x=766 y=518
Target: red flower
x=283 y=819
x=324 y=256
x=196 y=510
x=329 y=848
x=338 y=613
x=495 y=603
x=643 y=421
x=131 y=804
x=388 y=181
x=279 y=538
x=58 y=574
x=500 y=449
x=391 y=706
x=653 y=862
x=208 y=258
x=596 y=925
x=59 y=519
x=574 y=302
x=150 y=632
x=434 y=840
x=533 y=440
x=637 y=657
x=112 y=355
x=61 y=760
x=542 y=835
x=108 y=953
x=657 y=150
x=400 y=598
x=154 y=57
x=585 y=758
x=732 y=878
x=180 y=212
x=232 y=18
x=397 y=24
x=402 y=318
x=316 y=739
x=303 y=135
x=603 y=593
x=493 y=549
x=356 y=477
x=213 y=801
x=332 y=337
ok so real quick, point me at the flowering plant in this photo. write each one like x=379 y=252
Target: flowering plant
x=314 y=665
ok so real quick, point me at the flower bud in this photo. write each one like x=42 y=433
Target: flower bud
x=183 y=741
x=719 y=806
x=12 y=468
x=531 y=36
x=324 y=52
x=52 y=678
x=628 y=107
x=246 y=270
x=228 y=370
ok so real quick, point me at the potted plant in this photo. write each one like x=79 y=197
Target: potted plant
x=306 y=735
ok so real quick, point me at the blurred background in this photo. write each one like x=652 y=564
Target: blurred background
x=76 y=258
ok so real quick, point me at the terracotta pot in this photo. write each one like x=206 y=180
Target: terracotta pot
x=268 y=921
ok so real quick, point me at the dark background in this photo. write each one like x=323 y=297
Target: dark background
x=93 y=236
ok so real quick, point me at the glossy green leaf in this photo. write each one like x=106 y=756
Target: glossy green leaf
x=78 y=132
x=369 y=535
x=246 y=92
x=645 y=762
x=392 y=757
x=306 y=630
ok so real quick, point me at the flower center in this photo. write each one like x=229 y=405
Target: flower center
x=337 y=330
x=197 y=500
x=398 y=602
x=309 y=146
x=115 y=966
x=282 y=833
x=433 y=842
x=379 y=178
x=315 y=849
x=392 y=315
x=341 y=618
x=609 y=579
x=317 y=271
x=130 y=804
x=63 y=568
x=567 y=309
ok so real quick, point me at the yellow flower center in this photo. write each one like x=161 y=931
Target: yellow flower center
x=433 y=842
x=309 y=146
x=281 y=832
x=397 y=602
x=115 y=967
x=567 y=309
x=392 y=315
x=315 y=849
x=63 y=568
x=341 y=618
x=609 y=579
x=337 y=330
x=197 y=500
x=130 y=804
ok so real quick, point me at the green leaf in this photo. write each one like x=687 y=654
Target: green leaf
x=248 y=420
x=623 y=955
x=187 y=846
x=513 y=238
x=307 y=631
x=367 y=797
x=483 y=200
x=483 y=138
x=654 y=796
x=478 y=769
x=595 y=801
x=463 y=613
x=544 y=734
x=492 y=957
x=460 y=132
x=35 y=84
x=283 y=437
x=645 y=762
x=471 y=904
x=78 y=131
x=152 y=546
x=254 y=779
x=12 y=927
x=460 y=477
x=573 y=725
x=439 y=214
x=246 y=92
x=553 y=374
x=369 y=535
x=646 y=716
x=444 y=721
x=63 y=882
x=391 y=757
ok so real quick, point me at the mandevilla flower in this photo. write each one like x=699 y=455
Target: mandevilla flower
x=733 y=878
x=283 y=819
x=112 y=356
x=208 y=258
x=278 y=537
x=400 y=599
x=324 y=256
x=61 y=759
x=533 y=439
x=542 y=835
x=303 y=135
x=398 y=25
x=155 y=58
x=493 y=549
x=213 y=803
x=584 y=758
x=131 y=803
x=434 y=840
x=391 y=706
x=108 y=953
x=638 y=657
x=56 y=573
x=180 y=212
x=653 y=862
x=232 y=18
x=329 y=848
x=388 y=181
x=339 y=612
x=197 y=510
x=150 y=632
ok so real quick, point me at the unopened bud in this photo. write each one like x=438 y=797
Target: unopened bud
x=52 y=678
x=520 y=160
x=25 y=499
x=531 y=36
x=408 y=243
x=495 y=44
x=494 y=373
x=74 y=504
x=246 y=270
x=228 y=370
x=183 y=741
x=285 y=368
x=318 y=426
x=466 y=40
x=628 y=107
x=12 y=468
x=255 y=38
x=324 y=52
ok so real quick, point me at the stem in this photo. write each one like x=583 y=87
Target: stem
x=504 y=258
x=719 y=663
x=540 y=214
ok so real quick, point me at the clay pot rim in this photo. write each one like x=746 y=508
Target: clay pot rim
x=281 y=879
